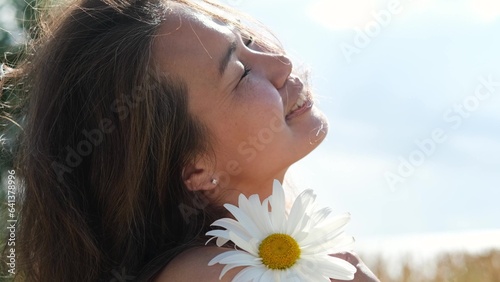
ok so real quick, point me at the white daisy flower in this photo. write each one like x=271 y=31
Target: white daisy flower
x=276 y=246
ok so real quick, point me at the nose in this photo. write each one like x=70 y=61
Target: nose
x=276 y=67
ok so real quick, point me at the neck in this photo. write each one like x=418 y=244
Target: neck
x=229 y=192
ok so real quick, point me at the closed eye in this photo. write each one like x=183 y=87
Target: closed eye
x=246 y=71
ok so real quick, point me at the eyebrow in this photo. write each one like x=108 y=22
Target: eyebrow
x=225 y=60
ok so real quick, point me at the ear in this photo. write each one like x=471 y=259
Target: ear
x=199 y=176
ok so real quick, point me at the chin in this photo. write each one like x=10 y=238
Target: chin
x=316 y=127
x=320 y=130
x=313 y=131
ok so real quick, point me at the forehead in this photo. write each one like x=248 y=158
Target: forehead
x=190 y=44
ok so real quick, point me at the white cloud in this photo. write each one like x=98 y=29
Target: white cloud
x=338 y=14
x=485 y=10
x=485 y=150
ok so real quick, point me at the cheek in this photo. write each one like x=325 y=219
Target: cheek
x=260 y=98
x=259 y=108
x=251 y=121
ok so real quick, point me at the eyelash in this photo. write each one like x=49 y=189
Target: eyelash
x=245 y=72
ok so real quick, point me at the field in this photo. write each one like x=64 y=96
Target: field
x=449 y=267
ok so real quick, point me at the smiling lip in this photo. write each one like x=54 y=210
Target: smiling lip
x=308 y=103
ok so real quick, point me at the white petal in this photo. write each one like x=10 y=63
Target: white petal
x=250 y=246
x=252 y=207
x=249 y=274
x=266 y=208
x=221 y=241
x=297 y=218
x=229 y=267
x=229 y=223
x=328 y=267
x=280 y=276
x=240 y=261
x=248 y=205
x=337 y=268
x=328 y=231
x=254 y=199
x=245 y=220
x=336 y=222
x=296 y=223
x=290 y=276
x=226 y=268
x=268 y=276
x=300 y=236
x=320 y=215
x=278 y=210
x=260 y=216
x=308 y=271
x=221 y=256
x=221 y=235
x=218 y=233
x=238 y=258
x=338 y=244
x=242 y=200
x=234 y=226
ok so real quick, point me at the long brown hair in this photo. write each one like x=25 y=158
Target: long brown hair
x=105 y=137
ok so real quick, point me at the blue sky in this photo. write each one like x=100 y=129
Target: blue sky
x=413 y=78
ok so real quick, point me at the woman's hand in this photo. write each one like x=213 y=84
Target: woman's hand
x=363 y=273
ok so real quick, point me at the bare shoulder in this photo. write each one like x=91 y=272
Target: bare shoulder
x=192 y=265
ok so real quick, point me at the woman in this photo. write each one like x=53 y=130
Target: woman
x=142 y=119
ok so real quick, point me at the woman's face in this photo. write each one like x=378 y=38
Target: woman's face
x=261 y=117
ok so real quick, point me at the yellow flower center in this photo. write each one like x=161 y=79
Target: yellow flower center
x=279 y=251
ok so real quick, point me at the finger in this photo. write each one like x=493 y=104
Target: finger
x=350 y=257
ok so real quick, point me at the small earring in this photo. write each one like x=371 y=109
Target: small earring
x=214 y=181
x=2 y=72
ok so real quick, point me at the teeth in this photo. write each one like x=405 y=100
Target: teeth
x=300 y=102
